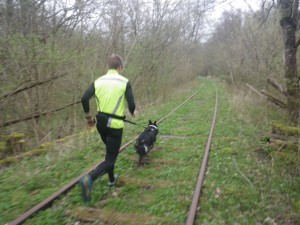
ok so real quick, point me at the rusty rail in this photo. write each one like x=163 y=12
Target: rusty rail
x=48 y=201
x=194 y=205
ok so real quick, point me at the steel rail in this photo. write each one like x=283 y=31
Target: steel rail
x=48 y=201
x=194 y=205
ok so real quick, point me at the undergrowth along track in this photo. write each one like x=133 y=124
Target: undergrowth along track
x=48 y=201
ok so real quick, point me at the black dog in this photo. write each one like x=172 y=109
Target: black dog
x=145 y=141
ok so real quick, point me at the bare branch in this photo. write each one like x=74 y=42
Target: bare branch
x=277 y=86
x=273 y=99
x=255 y=90
x=18 y=90
x=268 y=13
x=36 y=115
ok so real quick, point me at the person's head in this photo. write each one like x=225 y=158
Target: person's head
x=115 y=62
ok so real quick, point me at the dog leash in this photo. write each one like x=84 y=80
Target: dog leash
x=120 y=118
x=128 y=121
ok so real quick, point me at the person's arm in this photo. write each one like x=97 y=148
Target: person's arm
x=130 y=98
x=90 y=92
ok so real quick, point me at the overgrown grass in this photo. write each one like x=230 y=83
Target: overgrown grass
x=241 y=187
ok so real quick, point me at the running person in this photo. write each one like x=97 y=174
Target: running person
x=111 y=91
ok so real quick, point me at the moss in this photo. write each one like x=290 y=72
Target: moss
x=285 y=130
x=279 y=145
x=2 y=146
x=35 y=152
x=8 y=160
x=22 y=141
x=48 y=145
x=13 y=142
x=13 y=159
x=17 y=135
x=43 y=146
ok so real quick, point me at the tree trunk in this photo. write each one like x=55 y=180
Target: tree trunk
x=288 y=22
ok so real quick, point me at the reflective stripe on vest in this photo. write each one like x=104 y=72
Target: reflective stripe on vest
x=110 y=96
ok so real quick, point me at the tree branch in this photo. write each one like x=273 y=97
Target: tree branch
x=28 y=86
x=264 y=19
x=273 y=99
x=255 y=90
x=36 y=115
x=277 y=86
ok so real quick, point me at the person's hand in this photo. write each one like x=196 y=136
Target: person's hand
x=90 y=121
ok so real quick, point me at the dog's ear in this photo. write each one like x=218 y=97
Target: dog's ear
x=155 y=122
x=150 y=122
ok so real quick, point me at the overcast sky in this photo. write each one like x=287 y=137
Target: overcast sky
x=244 y=5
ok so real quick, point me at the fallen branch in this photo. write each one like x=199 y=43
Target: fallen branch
x=268 y=96
x=273 y=99
x=255 y=91
x=284 y=137
x=286 y=145
x=277 y=86
x=35 y=115
x=281 y=129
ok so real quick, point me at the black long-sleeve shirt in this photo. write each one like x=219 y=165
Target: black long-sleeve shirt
x=90 y=92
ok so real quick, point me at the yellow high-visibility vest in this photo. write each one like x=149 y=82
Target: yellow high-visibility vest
x=110 y=96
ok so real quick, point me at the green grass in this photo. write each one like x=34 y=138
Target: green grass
x=241 y=187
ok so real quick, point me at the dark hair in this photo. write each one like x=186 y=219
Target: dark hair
x=115 y=61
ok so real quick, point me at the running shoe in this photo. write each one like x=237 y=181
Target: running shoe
x=86 y=184
x=114 y=182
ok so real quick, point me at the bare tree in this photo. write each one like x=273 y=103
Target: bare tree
x=289 y=22
x=36 y=38
x=51 y=50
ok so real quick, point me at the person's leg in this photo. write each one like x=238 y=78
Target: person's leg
x=103 y=137
x=101 y=127
x=100 y=169
x=113 y=143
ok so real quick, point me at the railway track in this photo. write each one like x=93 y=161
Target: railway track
x=193 y=207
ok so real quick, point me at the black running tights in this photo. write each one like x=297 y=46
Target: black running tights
x=112 y=138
